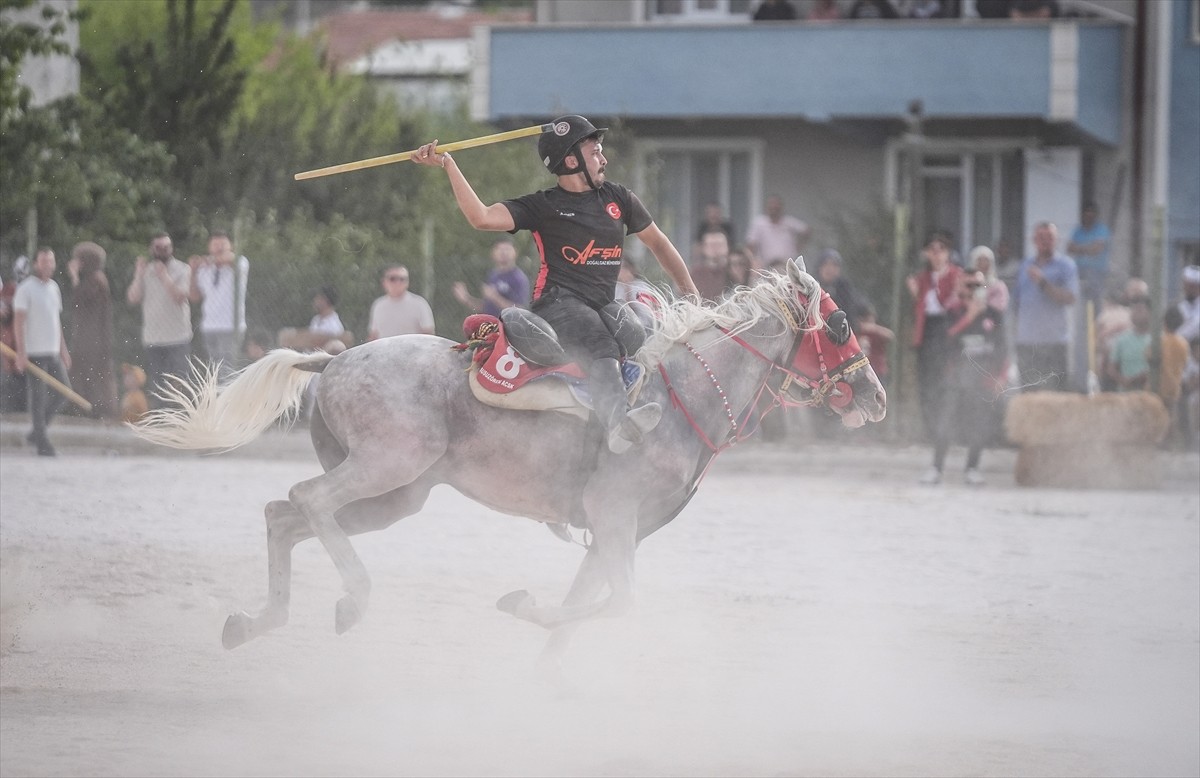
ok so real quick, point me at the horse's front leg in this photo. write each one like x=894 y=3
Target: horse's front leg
x=613 y=546
x=586 y=588
x=285 y=528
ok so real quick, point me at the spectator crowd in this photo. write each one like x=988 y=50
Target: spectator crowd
x=834 y=10
x=980 y=328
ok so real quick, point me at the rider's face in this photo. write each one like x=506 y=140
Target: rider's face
x=593 y=156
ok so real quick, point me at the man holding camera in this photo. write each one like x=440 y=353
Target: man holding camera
x=161 y=286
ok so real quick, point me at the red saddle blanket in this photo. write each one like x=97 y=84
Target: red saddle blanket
x=501 y=368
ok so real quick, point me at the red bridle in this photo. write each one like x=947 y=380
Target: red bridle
x=809 y=363
x=807 y=366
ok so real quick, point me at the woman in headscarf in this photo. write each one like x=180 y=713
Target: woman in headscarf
x=91 y=327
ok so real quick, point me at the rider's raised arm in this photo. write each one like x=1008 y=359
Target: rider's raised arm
x=669 y=258
x=495 y=217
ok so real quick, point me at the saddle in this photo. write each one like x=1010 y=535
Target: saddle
x=517 y=362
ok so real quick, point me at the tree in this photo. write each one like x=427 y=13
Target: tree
x=180 y=88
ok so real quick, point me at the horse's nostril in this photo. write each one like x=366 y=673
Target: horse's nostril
x=881 y=398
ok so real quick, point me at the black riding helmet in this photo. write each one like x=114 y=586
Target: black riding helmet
x=563 y=139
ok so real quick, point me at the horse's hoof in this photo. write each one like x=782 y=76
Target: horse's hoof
x=513 y=602
x=346 y=614
x=236 y=631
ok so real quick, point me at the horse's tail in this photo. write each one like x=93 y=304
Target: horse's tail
x=222 y=417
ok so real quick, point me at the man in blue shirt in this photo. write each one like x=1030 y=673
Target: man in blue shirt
x=1047 y=286
x=1089 y=246
x=506 y=285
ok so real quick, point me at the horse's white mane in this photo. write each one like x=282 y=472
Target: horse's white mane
x=743 y=308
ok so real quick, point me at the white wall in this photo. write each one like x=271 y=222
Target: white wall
x=55 y=76
x=1052 y=186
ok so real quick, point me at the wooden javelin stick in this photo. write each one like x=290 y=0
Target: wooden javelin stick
x=470 y=143
x=50 y=380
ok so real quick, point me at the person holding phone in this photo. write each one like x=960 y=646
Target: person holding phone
x=161 y=286
x=974 y=378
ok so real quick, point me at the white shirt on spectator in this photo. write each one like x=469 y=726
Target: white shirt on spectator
x=219 y=286
x=329 y=324
x=404 y=315
x=42 y=303
x=776 y=240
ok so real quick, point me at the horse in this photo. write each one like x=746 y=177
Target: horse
x=394 y=417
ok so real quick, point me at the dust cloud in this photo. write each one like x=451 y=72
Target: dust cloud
x=790 y=622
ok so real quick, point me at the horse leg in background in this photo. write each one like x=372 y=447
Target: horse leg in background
x=286 y=527
x=586 y=588
x=615 y=543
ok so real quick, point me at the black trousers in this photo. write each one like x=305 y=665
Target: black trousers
x=44 y=402
x=932 y=357
x=580 y=327
x=162 y=361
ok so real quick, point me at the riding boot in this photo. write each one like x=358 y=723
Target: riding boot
x=623 y=427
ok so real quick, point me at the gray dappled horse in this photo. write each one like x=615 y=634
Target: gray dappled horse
x=395 y=417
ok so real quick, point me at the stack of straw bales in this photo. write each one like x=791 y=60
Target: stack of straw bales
x=1106 y=441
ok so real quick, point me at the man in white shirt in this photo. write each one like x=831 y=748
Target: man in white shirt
x=776 y=237
x=160 y=286
x=37 y=325
x=399 y=312
x=219 y=284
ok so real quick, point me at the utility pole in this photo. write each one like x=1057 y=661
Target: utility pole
x=1158 y=254
x=909 y=217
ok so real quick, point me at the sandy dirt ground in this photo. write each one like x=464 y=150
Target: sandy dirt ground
x=795 y=620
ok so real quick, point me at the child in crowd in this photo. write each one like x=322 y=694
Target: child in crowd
x=1129 y=359
x=133 y=400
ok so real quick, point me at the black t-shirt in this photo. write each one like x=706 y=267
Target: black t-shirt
x=580 y=236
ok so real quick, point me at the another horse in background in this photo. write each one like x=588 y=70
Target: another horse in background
x=394 y=417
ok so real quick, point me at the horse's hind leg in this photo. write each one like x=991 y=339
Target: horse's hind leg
x=363 y=475
x=286 y=527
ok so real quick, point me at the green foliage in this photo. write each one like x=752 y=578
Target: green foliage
x=98 y=179
x=179 y=85
x=274 y=135
x=193 y=117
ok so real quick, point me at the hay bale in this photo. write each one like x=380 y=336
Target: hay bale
x=1107 y=441
x=1044 y=418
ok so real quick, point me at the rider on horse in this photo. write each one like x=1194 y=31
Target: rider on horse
x=579 y=227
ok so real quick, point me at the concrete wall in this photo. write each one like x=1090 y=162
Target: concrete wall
x=1184 y=132
x=57 y=75
x=600 y=11
x=818 y=171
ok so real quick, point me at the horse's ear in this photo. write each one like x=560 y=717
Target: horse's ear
x=794 y=268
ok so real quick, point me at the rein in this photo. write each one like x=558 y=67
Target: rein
x=822 y=390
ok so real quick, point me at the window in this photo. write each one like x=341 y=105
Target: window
x=678 y=177
x=976 y=194
x=693 y=11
